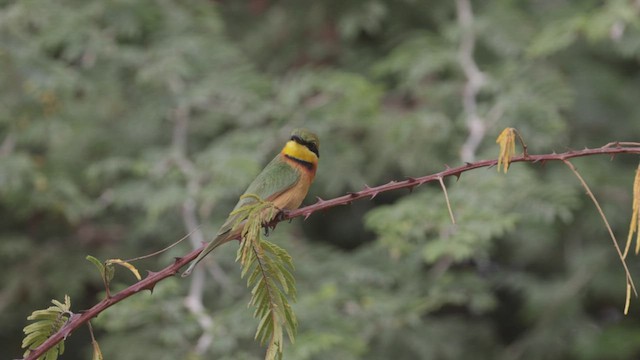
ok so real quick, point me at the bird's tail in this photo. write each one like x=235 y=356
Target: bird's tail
x=219 y=240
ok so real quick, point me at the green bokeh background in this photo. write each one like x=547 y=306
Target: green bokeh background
x=102 y=101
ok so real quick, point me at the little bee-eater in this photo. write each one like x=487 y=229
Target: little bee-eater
x=284 y=182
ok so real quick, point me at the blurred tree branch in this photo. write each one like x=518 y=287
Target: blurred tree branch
x=193 y=301
x=7 y=145
x=153 y=278
x=476 y=79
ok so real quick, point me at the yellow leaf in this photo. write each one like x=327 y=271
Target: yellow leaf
x=628 y=298
x=131 y=268
x=507 y=142
x=635 y=215
x=97 y=354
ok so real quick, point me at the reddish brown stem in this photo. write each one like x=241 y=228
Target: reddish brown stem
x=80 y=319
x=457 y=171
x=154 y=277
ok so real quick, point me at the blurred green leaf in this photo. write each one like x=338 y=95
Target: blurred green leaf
x=47 y=322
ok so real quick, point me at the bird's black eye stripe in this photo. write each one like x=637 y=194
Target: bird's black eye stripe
x=311 y=146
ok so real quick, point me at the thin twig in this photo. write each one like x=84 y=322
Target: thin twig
x=627 y=299
x=165 y=249
x=621 y=144
x=446 y=197
x=606 y=223
x=524 y=145
x=93 y=338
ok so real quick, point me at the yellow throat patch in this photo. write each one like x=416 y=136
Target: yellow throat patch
x=298 y=151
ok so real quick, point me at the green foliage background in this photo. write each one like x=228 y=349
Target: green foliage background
x=91 y=92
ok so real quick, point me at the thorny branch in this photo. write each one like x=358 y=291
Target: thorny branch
x=612 y=149
x=148 y=283
x=80 y=319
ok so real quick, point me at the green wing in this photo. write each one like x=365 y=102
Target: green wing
x=275 y=178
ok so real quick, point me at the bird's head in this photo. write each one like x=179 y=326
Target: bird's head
x=307 y=139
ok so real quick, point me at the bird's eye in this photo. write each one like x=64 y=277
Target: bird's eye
x=314 y=148
x=309 y=145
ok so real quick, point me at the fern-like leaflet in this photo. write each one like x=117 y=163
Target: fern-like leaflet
x=47 y=322
x=268 y=267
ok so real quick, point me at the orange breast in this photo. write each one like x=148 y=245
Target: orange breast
x=292 y=198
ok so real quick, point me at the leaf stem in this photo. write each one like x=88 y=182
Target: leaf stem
x=446 y=197
x=606 y=223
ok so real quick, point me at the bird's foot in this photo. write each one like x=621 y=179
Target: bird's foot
x=282 y=215
x=271 y=225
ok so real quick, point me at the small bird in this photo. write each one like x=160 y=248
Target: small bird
x=284 y=181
